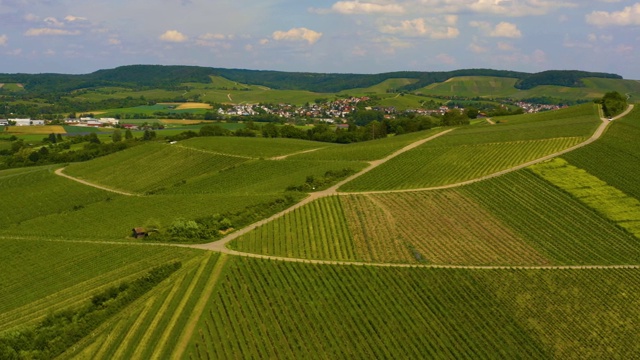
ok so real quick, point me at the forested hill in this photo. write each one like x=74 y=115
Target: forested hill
x=159 y=76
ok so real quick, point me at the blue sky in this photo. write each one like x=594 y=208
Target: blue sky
x=364 y=36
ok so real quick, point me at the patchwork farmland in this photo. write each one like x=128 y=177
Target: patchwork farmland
x=375 y=264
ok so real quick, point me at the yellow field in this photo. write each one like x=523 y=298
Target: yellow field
x=193 y=105
x=181 y=122
x=46 y=129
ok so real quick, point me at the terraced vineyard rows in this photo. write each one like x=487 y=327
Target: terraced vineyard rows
x=316 y=231
x=154 y=327
x=429 y=165
x=553 y=222
x=62 y=275
x=322 y=311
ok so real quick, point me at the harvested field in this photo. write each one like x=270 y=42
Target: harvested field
x=46 y=129
x=193 y=105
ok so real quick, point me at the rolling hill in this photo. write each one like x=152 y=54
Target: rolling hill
x=444 y=243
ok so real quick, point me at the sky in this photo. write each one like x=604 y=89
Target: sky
x=326 y=36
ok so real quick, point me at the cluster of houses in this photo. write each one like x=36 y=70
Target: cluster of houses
x=534 y=108
x=84 y=121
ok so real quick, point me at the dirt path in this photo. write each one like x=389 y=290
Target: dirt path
x=491 y=122
x=60 y=173
x=229 y=97
x=282 y=157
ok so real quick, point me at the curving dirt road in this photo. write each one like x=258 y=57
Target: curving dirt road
x=60 y=173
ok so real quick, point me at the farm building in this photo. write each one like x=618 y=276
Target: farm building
x=27 y=122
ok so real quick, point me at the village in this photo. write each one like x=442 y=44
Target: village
x=331 y=112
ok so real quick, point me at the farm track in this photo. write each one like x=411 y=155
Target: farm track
x=60 y=173
x=282 y=157
x=211 y=152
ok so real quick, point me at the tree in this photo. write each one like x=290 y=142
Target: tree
x=128 y=134
x=93 y=138
x=613 y=103
x=270 y=130
x=149 y=135
x=116 y=136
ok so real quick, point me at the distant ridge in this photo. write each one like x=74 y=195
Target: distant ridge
x=171 y=76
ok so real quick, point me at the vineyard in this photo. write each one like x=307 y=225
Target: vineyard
x=430 y=165
x=615 y=157
x=302 y=310
x=612 y=203
x=149 y=168
x=368 y=150
x=421 y=228
x=62 y=275
x=252 y=147
x=538 y=263
x=553 y=222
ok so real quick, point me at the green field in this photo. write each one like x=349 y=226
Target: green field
x=538 y=263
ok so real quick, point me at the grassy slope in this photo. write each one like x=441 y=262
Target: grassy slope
x=253 y=147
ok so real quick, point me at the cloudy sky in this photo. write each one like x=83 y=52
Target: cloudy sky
x=362 y=36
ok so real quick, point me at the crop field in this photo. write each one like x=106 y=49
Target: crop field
x=381 y=88
x=152 y=167
x=192 y=105
x=63 y=274
x=614 y=158
x=553 y=222
x=41 y=129
x=303 y=310
x=595 y=193
x=368 y=150
x=430 y=165
x=253 y=147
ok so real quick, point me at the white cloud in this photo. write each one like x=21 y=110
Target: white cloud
x=173 y=36
x=297 y=34
x=3 y=40
x=50 y=31
x=114 y=41
x=263 y=41
x=630 y=15
x=31 y=18
x=71 y=18
x=432 y=28
x=51 y=21
x=507 y=30
x=357 y=7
